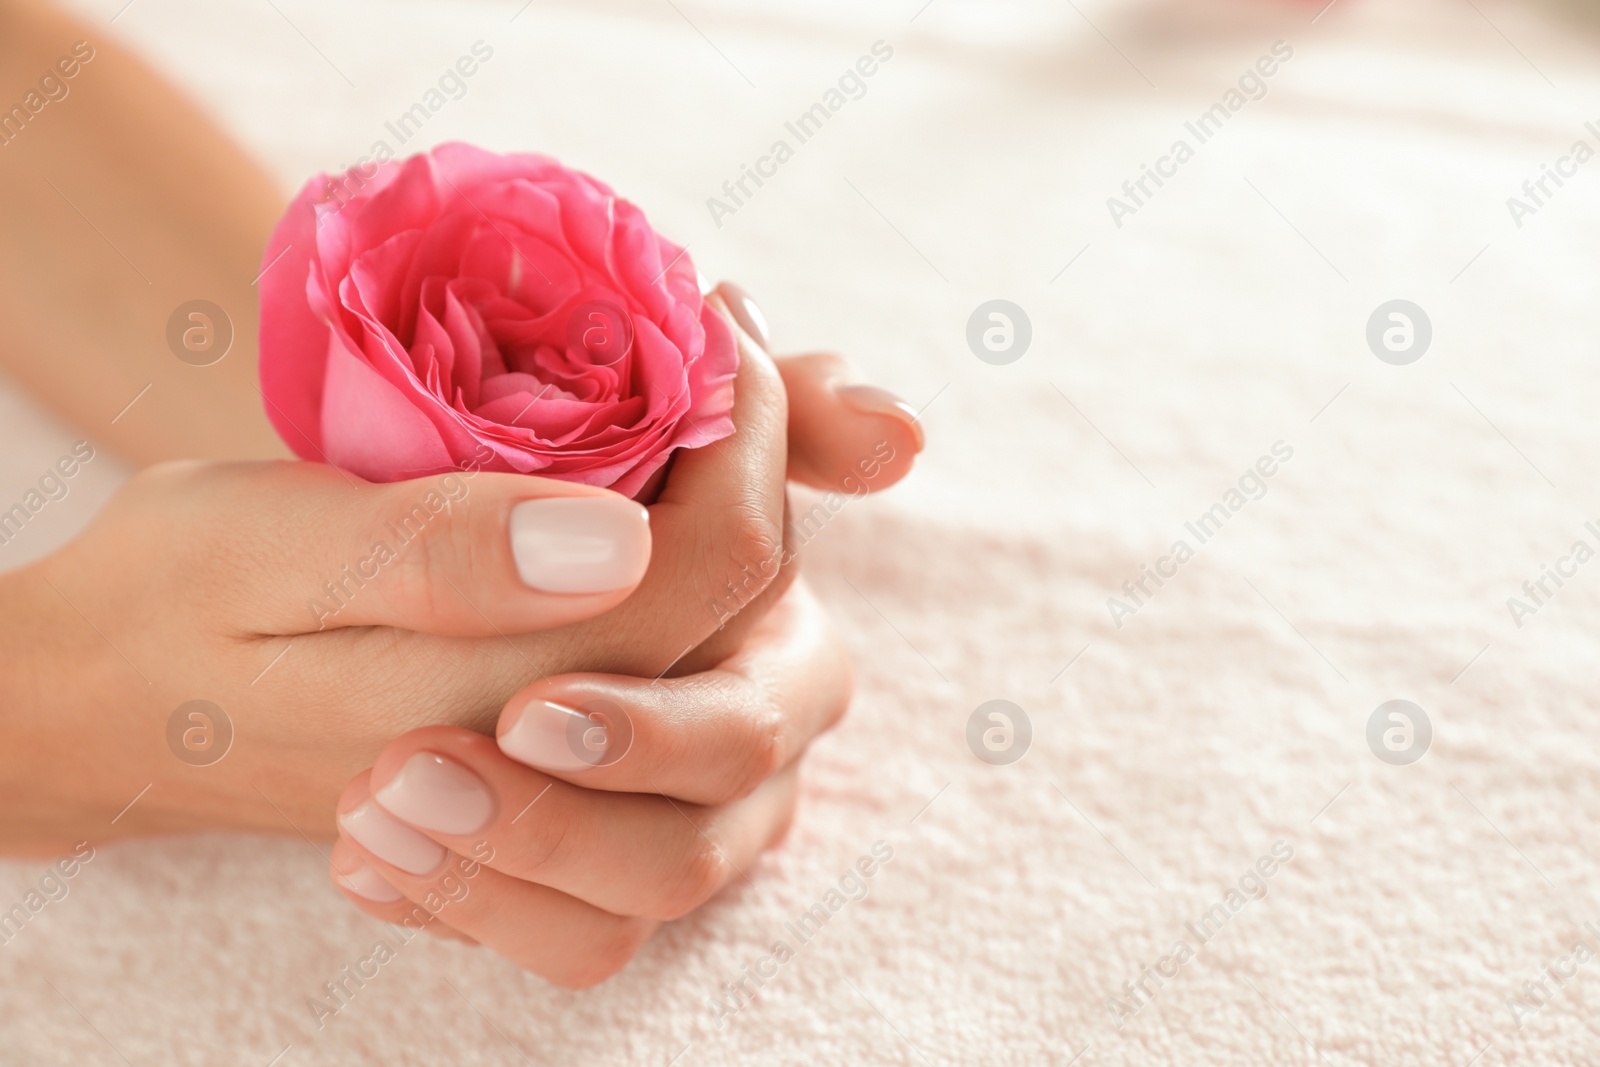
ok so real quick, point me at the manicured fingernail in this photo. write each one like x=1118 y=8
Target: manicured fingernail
x=391 y=840
x=580 y=544
x=554 y=737
x=368 y=884
x=870 y=400
x=438 y=794
x=746 y=313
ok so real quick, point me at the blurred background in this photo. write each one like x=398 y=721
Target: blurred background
x=1161 y=341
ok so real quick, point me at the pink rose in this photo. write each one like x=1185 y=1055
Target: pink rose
x=466 y=309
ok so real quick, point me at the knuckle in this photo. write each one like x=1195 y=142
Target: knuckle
x=438 y=550
x=703 y=871
x=825 y=366
x=540 y=846
x=839 y=706
x=755 y=552
x=439 y=531
x=763 y=751
x=184 y=498
x=176 y=491
x=611 y=949
x=785 y=822
x=167 y=474
x=417 y=579
x=751 y=560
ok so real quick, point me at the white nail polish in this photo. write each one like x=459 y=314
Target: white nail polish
x=438 y=794
x=746 y=312
x=391 y=840
x=582 y=544
x=368 y=884
x=553 y=737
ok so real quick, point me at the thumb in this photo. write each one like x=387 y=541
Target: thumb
x=467 y=554
x=843 y=435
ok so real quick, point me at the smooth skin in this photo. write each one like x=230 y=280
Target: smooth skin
x=196 y=582
x=573 y=872
x=123 y=201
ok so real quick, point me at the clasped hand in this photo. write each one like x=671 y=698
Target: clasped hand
x=536 y=715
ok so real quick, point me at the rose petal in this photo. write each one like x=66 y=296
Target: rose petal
x=293 y=339
x=434 y=297
x=369 y=428
x=409 y=202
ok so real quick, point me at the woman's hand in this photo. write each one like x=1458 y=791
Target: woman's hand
x=609 y=803
x=260 y=588
x=320 y=616
x=325 y=615
x=844 y=436
x=564 y=854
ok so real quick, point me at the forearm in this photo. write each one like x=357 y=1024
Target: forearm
x=123 y=202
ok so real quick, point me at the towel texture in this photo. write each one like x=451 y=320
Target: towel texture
x=1186 y=740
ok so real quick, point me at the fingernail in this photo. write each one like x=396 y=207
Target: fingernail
x=368 y=884
x=580 y=544
x=437 y=794
x=870 y=400
x=391 y=840
x=746 y=313
x=553 y=737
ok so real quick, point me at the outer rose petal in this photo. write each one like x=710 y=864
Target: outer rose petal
x=361 y=369
x=369 y=428
x=711 y=384
x=466 y=166
x=294 y=341
x=409 y=202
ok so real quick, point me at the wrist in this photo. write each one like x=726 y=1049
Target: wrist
x=20 y=684
x=46 y=798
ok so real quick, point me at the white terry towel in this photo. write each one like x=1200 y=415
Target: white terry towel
x=1226 y=716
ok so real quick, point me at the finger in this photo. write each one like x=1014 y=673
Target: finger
x=537 y=928
x=443 y=790
x=844 y=435
x=462 y=554
x=718 y=525
x=368 y=890
x=737 y=612
x=706 y=738
x=743 y=599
